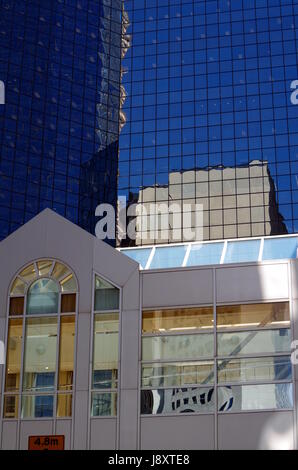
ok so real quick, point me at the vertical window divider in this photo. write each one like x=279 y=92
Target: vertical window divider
x=22 y=367
x=261 y=249
x=187 y=253
x=223 y=254
x=215 y=360
x=57 y=363
x=150 y=258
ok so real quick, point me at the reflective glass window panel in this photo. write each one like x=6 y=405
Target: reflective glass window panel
x=106 y=295
x=11 y=407
x=14 y=355
x=68 y=284
x=68 y=303
x=177 y=347
x=64 y=405
x=242 y=251
x=254 y=369
x=43 y=297
x=40 y=354
x=104 y=404
x=280 y=248
x=60 y=271
x=141 y=256
x=253 y=342
x=253 y=315
x=105 y=353
x=177 y=400
x=168 y=257
x=29 y=273
x=44 y=267
x=18 y=287
x=16 y=306
x=66 y=353
x=255 y=397
x=177 y=374
x=158 y=321
x=207 y=253
x=37 y=406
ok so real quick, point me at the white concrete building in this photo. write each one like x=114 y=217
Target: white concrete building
x=188 y=350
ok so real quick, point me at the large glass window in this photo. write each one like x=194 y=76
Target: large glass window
x=105 y=349
x=40 y=342
x=245 y=361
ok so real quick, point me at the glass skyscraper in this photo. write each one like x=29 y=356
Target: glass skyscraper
x=60 y=63
x=211 y=114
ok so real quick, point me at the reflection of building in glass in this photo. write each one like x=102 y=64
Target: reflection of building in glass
x=59 y=129
x=98 y=177
x=208 y=86
x=236 y=202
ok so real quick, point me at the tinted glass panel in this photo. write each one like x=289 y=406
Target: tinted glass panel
x=255 y=397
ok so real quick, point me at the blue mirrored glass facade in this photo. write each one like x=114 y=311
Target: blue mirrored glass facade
x=60 y=61
x=211 y=114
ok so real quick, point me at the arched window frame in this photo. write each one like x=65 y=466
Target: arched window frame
x=63 y=315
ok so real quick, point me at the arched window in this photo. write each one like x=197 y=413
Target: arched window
x=40 y=342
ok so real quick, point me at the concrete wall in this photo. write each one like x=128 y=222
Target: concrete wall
x=51 y=236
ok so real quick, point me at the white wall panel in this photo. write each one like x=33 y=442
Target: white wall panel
x=174 y=288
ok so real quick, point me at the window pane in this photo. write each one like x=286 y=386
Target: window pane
x=29 y=273
x=64 y=405
x=68 y=284
x=13 y=355
x=60 y=271
x=16 y=306
x=177 y=347
x=41 y=406
x=177 y=400
x=157 y=321
x=255 y=369
x=242 y=251
x=207 y=253
x=169 y=257
x=44 y=267
x=66 y=353
x=106 y=295
x=11 y=406
x=259 y=315
x=140 y=256
x=104 y=404
x=253 y=342
x=40 y=354
x=68 y=303
x=18 y=287
x=255 y=397
x=105 y=355
x=280 y=248
x=43 y=297
x=177 y=374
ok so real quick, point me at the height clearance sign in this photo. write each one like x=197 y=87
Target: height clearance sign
x=46 y=443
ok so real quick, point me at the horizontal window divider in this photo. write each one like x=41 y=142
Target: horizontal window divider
x=178 y=333
x=254 y=382
x=263 y=410
x=171 y=387
x=105 y=311
x=253 y=328
x=165 y=361
x=104 y=390
x=147 y=415
x=253 y=356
